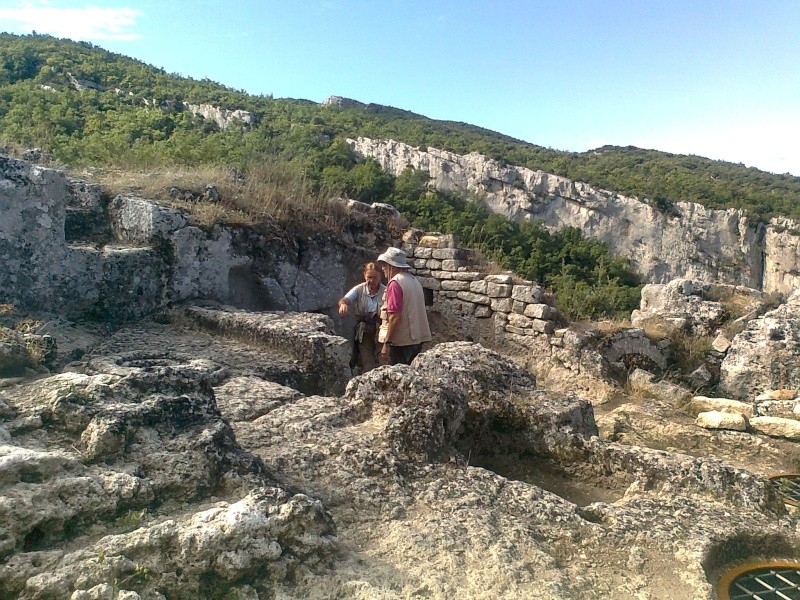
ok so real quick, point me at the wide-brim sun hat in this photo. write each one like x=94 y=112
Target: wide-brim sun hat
x=395 y=257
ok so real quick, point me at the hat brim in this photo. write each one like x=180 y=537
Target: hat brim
x=390 y=261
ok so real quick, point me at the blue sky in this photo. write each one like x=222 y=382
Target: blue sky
x=719 y=79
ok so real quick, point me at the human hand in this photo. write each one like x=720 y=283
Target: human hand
x=344 y=309
x=385 y=351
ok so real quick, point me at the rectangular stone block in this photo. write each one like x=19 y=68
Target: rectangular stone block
x=423 y=252
x=467 y=275
x=455 y=286
x=527 y=293
x=478 y=287
x=547 y=327
x=430 y=283
x=518 y=307
x=448 y=253
x=498 y=290
x=502 y=279
x=417 y=263
x=501 y=305
x=451 y=265
x=451 y=295
x=517 y=330
x=442 y=274
x=520 y=321
x=433 y=264
x=429 y=241
x=476 y=298
x=539 y=311
x=438 y=241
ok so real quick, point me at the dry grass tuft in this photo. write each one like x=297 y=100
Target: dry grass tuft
x=688 y=351
x=657 y=329
x=609 y=327
x=267 y=193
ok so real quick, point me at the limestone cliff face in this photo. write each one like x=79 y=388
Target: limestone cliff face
x=689 y=240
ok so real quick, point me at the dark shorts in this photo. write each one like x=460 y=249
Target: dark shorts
x=403 y=355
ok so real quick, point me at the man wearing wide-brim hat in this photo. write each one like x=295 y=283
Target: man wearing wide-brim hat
x=404 y=321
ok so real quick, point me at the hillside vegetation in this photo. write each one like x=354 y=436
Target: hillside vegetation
x=135 y=117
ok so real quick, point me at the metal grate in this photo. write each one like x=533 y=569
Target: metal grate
x=787 y=486
x=760 y=581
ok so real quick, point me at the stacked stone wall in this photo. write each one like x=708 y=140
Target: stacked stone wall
x=503 y=304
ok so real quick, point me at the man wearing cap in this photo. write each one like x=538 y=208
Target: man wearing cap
x=404 y=321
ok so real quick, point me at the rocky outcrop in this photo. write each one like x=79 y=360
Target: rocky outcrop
x=132 y=483
x=686 y=240
x=695 y=307
x=199 y=457
x=342 y=102
x=306 y=338
x=766 y=355
x=223 y=117
x=65 y=248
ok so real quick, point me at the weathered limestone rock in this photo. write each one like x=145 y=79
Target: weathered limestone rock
x=247 y=398
x=766 y=355
x=687 y=304
x=643 y=381
x=306 y=337
x=223 y=117
x=443 y=475
x=59 y=256
x=628 y=348
x=721 y=420
x=143 y=222
x=776 y=427
x=787 y=409
x=700 y=404
x=721 y=344
x=781 y=255
x=118 y=446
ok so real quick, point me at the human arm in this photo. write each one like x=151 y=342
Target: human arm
x=344 y=307
x=347 y=301
x=394 y=308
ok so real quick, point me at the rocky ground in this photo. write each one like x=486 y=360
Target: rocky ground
x=197 y=454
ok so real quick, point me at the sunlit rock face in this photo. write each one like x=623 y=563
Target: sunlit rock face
x=211 y=451
x=685 y=240
x=766 y=355
x=128 y=477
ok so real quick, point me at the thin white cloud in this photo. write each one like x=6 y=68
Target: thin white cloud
x=85 y=23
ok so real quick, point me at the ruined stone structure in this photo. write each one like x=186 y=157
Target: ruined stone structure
x=213 y=445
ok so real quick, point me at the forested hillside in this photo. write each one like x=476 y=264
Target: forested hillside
x=133 y=116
